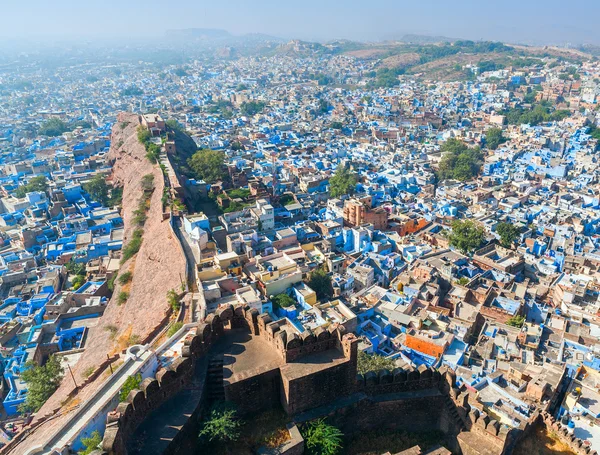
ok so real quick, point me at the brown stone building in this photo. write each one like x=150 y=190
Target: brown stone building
x=359 y=211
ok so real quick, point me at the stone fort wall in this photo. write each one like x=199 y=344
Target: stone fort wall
x=420 y=399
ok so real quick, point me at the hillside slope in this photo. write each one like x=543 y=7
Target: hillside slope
x=158 y=267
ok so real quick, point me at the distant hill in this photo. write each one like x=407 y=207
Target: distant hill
x=425 y=39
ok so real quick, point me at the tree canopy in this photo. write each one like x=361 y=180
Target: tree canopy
x=320 y=282
x=282 y=300
x=494 y=138
x=38 y=183
x=251 y=108
x=53 y=127
x=208 y=165
x=467 y=236
x=508 y=233
x=459 y=161
x=342 y=182
x=42 y=382
x=540 y=113
x=174 y=125
x=516 y=321
x=90 y=443
x=371 y=362
x=98 y=189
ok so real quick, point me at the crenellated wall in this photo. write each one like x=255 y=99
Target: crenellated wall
x=575 y=444
x=315 y=376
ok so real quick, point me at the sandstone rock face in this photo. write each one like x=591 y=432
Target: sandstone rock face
x=158 y=267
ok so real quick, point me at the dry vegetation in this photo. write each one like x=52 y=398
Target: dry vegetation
x=542 y=442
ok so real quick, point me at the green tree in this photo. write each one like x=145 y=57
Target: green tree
x=508 y=233
x=53 y=127
x=516 y=321
x=98 y=189
x=251 y=108
x=494 y=138
x=221 y=425
x=208 y=165
x=38 y=183
x=131 y=383
x=371 y=362
x=282 y=301
x=173 y=299
x=321 y=438
x=342 y=182
x=323 y=106
x=463 y=280
x=42 y=382
x=77 y=282
x=90 y=443
x=466 y=235
x=459 y=161
x=320 y=282
x=174 y=125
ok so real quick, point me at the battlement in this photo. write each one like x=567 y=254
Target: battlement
x=304 y=373
x=575 y=444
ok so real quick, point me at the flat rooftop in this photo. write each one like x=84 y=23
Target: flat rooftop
x=247 y=353
x=312 y=363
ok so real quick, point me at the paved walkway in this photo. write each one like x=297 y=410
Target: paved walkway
x=92 y=407
x=192 y=258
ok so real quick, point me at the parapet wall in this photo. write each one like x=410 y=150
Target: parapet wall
x=575 y=444
x=292 y=346
x=420 y=398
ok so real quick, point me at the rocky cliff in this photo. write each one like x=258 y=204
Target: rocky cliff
x=158 y=267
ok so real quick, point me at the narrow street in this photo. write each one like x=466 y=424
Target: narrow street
x=192 y=256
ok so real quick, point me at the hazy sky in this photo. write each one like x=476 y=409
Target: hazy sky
x=539 y=21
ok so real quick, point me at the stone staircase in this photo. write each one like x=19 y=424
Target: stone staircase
x=454 y=413
x=214 y=380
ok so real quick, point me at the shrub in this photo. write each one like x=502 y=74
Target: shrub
x=139 y=217
x=123 y=296
x=112 y=329
x=369 y=362
x=77 y=282
x=322 y=438
x=125 y=277
x=174 y=300
x=282 y=301
x=111 y=282
x=174 y=328
x=131 y=383
x=221 y=425
x=133 y=339
x=516 y=321
x=133 y=246
x=90 y=443
x=148 y=182
x=88 y=372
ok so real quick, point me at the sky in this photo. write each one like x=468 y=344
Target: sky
x=512 y=21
